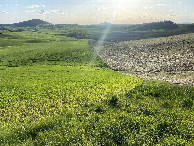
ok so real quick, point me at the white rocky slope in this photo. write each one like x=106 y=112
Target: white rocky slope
x=157 y=58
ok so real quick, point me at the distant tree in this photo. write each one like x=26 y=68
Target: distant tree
x=163 y=25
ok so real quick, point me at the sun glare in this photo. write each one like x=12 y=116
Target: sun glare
x=124 y=2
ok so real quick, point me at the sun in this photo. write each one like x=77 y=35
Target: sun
x=124 y=3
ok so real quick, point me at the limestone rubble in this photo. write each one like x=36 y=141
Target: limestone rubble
x=154 y=58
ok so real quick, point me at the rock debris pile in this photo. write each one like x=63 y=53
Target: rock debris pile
x=165 y=54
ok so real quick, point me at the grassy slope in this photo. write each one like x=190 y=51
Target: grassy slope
x=60 y=95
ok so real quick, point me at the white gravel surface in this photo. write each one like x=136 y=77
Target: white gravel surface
x=166 y=58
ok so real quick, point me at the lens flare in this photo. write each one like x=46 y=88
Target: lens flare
x=108 y=27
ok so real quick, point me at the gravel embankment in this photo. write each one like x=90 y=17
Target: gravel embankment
x=166 y=58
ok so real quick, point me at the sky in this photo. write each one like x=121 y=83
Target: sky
x=97 y=11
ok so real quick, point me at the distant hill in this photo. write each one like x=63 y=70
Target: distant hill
x=163 y=25
x=31 y=23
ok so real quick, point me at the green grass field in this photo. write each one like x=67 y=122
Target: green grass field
x=55 y=90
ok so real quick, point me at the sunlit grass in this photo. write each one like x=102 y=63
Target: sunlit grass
x=55 y=87
x=59 y=92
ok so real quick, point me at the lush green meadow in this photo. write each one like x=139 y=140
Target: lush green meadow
x=56 y=90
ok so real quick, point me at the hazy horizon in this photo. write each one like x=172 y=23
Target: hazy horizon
x=102 y=23
x=97 y=11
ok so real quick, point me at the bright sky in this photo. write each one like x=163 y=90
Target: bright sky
x=97 y=11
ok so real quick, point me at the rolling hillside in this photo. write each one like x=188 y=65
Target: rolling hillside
x=56 y=90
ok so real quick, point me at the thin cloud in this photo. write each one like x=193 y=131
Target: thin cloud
x=44 y=12
x=39 y=12
x=56 y=12
x=173 y=15
x=36 y=6
x=160 y=4
x=4 y=12
x=147 y=7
